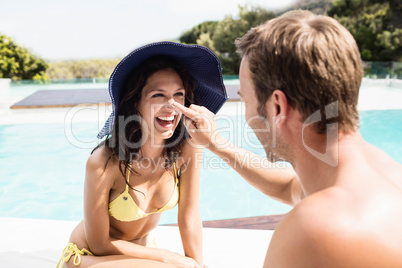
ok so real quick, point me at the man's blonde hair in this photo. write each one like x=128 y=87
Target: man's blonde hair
x=313 y=59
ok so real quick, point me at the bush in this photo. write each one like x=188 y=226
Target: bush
x=81 y=69
x=17 y=63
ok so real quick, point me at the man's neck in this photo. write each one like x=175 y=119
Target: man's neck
x=320 y=165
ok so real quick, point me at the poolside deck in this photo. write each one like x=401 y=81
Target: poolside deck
x=39 y=243
x=251 y=223
x=64 y=98
x=254 y=223
x=82 y=97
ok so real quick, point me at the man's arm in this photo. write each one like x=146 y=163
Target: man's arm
x=277 y=181
x=280 y=183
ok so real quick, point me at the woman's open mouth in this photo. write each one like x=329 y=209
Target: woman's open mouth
x=165 y=121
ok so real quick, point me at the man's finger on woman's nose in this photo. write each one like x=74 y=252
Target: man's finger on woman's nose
x=186 y=111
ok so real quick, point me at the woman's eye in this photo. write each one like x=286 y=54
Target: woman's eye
x=157 y=95
x=181 y=94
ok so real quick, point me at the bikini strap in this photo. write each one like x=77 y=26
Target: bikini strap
x=175 y=172
x=127 y=178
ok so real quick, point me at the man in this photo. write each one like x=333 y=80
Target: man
x=299 y=79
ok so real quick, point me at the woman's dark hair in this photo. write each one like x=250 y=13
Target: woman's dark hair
x=124 y=142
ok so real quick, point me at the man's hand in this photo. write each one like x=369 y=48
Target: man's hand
x=200 y=123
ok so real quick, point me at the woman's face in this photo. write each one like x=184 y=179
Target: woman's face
x=161 y=119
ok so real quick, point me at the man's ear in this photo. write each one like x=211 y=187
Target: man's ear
x=279 y=107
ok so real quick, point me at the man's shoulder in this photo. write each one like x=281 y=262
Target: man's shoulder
x=314 y=224
x=327 y=229
x=320 y=215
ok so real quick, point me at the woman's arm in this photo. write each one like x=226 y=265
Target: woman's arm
x=98 y=183
x=189 y=218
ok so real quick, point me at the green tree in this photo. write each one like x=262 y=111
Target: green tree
x=220 y=36
x=375 y=25
x=191 y=36
x=315 y=6
x=17 y=63
x=229 y=29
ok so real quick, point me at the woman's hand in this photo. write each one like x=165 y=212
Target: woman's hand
x=179 y=260
x=200 y=124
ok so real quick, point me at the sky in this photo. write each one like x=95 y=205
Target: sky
x=97 y=29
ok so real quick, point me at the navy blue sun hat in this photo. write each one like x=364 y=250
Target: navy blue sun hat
x=202 y=64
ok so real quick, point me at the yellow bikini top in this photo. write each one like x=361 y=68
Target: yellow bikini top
x=123 y=207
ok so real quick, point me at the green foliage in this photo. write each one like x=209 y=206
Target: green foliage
x=191 y=36
x=220 y=36
x=229 y=29
x=375 y=25
x=17 y=63
x=223 y=39
x=315 y=6
x=81 y=69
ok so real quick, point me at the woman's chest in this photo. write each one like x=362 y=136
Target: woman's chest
x=149 y=189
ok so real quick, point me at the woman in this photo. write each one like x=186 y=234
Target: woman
x=146 y=165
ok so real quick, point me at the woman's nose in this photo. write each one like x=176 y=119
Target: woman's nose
x=168 y=105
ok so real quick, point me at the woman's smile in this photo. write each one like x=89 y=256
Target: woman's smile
x=167 y=121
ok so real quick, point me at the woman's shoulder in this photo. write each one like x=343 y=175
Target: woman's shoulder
x=100 y=161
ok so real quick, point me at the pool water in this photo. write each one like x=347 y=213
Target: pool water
x=42 y=171
x=384 y=130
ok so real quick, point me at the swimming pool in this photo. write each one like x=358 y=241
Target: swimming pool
x=43 y=165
